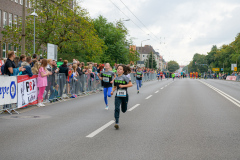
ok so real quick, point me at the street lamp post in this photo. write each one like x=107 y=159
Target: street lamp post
x=35 y=15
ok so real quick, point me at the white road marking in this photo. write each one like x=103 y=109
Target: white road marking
x=134 y=107
x=166 y=86
x=230 y=98
x=100 y=129
x=149 y=97
x=162 y=87
x=156 y=91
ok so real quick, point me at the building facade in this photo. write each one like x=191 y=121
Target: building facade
x=145 y=51
x=10 y=14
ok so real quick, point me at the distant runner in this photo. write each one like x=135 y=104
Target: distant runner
x=107 y=78
x=139 y=75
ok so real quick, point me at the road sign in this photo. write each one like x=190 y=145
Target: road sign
x=235 y=69
x=215 y=69
x=221 y=69
x=233 y=66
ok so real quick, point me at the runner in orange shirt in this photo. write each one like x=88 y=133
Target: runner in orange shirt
x=191 y=74
x=196 y=75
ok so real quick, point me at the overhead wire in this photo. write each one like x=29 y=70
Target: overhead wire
x=138 y=19
x=127 y=16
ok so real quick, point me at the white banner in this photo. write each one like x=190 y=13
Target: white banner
x=8 y=90
x=27 y=90
x=52 y=51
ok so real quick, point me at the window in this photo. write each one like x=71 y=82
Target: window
x=4 y=19
x=4 y=50
x=21 y=2
x=16 y=1
x=143 y=55
x=0 y=18
x=10 y=20
x=9 y=47
x=15 y=49
x=15 y=20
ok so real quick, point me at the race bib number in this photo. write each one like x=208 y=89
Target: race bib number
x=121 y=93
x=138 y=76
x=105 y=79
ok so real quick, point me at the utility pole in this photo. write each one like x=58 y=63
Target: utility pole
x=23 y=26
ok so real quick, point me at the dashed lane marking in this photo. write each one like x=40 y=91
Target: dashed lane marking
x=100 y=129
x=156 y=91
x=149 y=97
x=134 y=107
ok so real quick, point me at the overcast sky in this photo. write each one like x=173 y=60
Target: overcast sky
x=176 y=28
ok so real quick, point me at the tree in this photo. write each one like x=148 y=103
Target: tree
x=133 y=56
x=114 y=36
x=12 y=35
x=173 y=66
x=221 y=57
x=150 y=62
x=198 y=64
x=71 y=29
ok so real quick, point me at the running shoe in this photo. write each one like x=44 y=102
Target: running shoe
x=137 y=92
x=107 y=108
x=116 y=126
x=42 y=105
x=39 y=105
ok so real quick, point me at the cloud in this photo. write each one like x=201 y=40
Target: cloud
x=188 y=26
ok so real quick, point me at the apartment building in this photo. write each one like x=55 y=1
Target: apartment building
x=11 y=13
x=145 y=51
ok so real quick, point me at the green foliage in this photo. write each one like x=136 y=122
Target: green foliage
x=221 y=57
x=198 y=64
x=151 y=63
x=12 y=35
x=133 y=56
x=173 y=66
x=76 y=34
x=115 y=40
x=71 y=29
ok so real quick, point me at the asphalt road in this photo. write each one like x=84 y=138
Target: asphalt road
x=181 y=120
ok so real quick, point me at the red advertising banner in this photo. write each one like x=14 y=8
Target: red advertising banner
x=27 y=90
x=231 y=78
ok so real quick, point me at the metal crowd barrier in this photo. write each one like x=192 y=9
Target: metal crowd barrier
x=238 y=78
x=146 y=77
x=60 y=87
